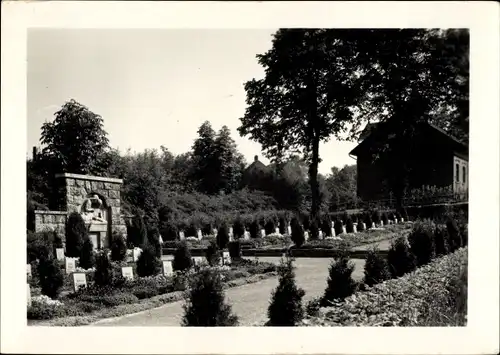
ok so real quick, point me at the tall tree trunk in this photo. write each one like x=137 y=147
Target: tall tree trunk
x=313 y=180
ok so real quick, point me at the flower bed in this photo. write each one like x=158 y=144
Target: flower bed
x=433 y=295
x=128 y=296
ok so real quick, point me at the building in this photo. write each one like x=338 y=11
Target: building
x=438 y=159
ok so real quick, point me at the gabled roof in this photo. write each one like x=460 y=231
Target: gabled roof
x=372 y=127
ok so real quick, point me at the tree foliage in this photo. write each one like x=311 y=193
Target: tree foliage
x=76 y=233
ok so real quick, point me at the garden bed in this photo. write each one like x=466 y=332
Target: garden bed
x=130 y=296
x=433 y=295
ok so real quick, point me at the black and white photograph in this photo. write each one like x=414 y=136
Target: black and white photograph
x=288 y=176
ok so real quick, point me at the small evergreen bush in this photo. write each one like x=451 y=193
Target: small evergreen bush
x=270 y=227
x=314 y=230
x=148 y=264
x=399 y=258
x=282 y=226
x=340 y=281
x=213 y=254
x=87 y=259
x=51 y=277
x=136 y=232
x=192 y=230
x=254 y=229
x=205 y=304
x=338 y=227
x=376 y=217
x=153 y=240
x=297 y=233
x=182 y=258
x=368 y=221
x=118 y=248
x=360 y=227
x=385 y=218
x=208 y=229
x=421 y=241
x=326 y=226
x=285 y=309
x=169 y=232
x=76 y=232
x=455 y=239
x=238 y=228
x=441 y=240
x=222 y=236
x=349 y=225
x=103 y=275
x=235 y=250
x=376 y=269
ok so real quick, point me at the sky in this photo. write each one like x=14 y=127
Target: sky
x=152 y=87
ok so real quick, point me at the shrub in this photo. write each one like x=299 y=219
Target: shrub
x=306 y=223
x=38 y=246
x=148 y=264
x=111 y=299
x=42 y=310
x=222 y=236
x=282 y=226
x=182 y=258
x=376 y=269
x=338 y=227
x=51 y=278
x=368 y=220
x=421 y=241
x=76 y=232
x=441 y=240
x=326 y=226
x=455 y=239
x=349 y=225
x=153 y=241
x=207 y=229
x=340 y=282
x=376 y=217
x=238 y=228
x=213 y=254
x=118 y=248
x=464 y=232
x=254 y=229
x=205 y=306
x=297 y=233
x=285 y=308
x=314 y=229
x=360 y=227
x=235 y=250
x=192 y=230
x=313 y=306
x=136 y=233
x=270 y=227
x=87 y=259
x=103 y=275
x=169 y=232
x=399 y=258
x=385 y=218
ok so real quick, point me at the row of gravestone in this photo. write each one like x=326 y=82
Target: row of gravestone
x=289 y=229
x=80 y=278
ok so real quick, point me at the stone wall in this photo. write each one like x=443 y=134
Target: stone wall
x=51 y=221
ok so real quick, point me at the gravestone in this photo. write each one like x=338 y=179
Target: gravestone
x=28 y=270
x=231 y=231
x=136 y=253
x=306 y=236
x=283 y=255
x=28 y=290
x=70 y=265
x=199 y=234
x=167 y=268
x=289 y=227
x=277 y=230
x=355 y=228
x=246 y=235
x=160 y=239
x=79 y=280
x=214 y=232
x=402 y=220
x=364 y=225
x=181 y=235
x=333 y=232
x=262 y=233
x=130 y=255
x=320 y=234
x=226 y=257
x=197 y=260
x=344 y=230
x=128 y=272
x=60 y=254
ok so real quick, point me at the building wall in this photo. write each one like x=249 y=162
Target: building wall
x=51 y=221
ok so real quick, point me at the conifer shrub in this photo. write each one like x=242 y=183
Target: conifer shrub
x=213 y=254
x=76 y=232
x=326 y=226
x=338 y=227
x=297 y=233
x=192 y=230
x=306 y=223
x=222 y=236
x=207 y=229
x=51 y=277
x=376 y=217
x=441 y=240
x=205 y=302
x=118 y=247
x=368 y=220
x=421 y=241
x=254 y=230
x=464 y=233
x=169 y=232
x=360 y=227
x=136 y=232
x=182 y=258
x=38 y=246
x=349 y=225
x=234 y=248
x=376 y=269
x=270 y=227
x=238 y=228
x=87 y=259
x=385 y=218
x=400 y=258
x=148 y=264
x=340 y=283
x=455 y=239
x=153 y=240
x=103 y=275
x=314 y=229
x=285 y=308
x=282 y=226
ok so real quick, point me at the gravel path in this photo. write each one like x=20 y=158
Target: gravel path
x=249 y=302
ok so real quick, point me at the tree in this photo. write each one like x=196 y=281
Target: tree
x=230 y=163
x=376 y=269
x=285 y=308
x=340 y=281
x=118 y=247
x=182 y=258
x=76 y=233
x=306 y=97
x=103 y=275
x=75 y=138
x=297 y=233
x=205 y=165
x=136 y=234
x=399 y=258
x=51 y=277
x=342 y=185
x=205 y=305
x=148 y=264
x=87 y=259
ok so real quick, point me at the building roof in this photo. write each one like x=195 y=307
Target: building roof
x=371 y=128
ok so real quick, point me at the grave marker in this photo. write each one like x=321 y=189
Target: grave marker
x=79 y=280
x=70 y=265
x=28 y=289
x=200 y=235
x=289 y=229
x=344 y=230
x=333 y=232
x=246 y=235
x=130 y=255
x=226 y=257
x=136 y=253
x=262 y=233
x=128 y=272
x=306 y=236
x=320 y=234
x=167 y=268
x=181 y=235
x=355 y=228
x=277 y=230
x=60 y=254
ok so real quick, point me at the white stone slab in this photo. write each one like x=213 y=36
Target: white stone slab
x=262 y=233
x=60 y=254
x=306 y=236
x=200 y=235
x=135 y=255
x=79 y=280
x=277 y=230
x=168 y=270
x=333 y=232
x=181 y=235
x=289 y=229
x=226 y=258
x=246 y=235
x=344 y=231
x=70 y=265
x=128 y=272
x=355 y=228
